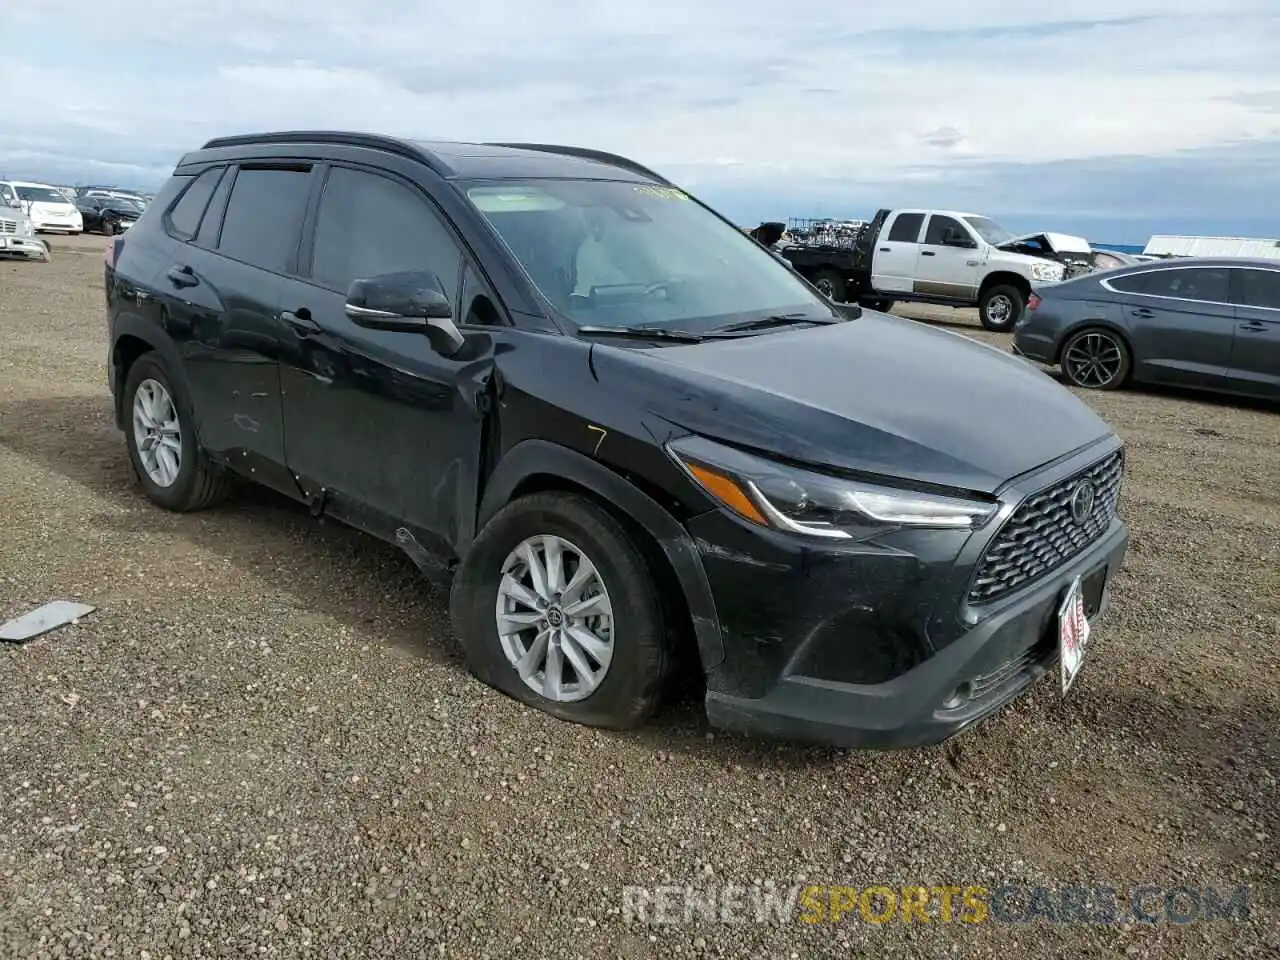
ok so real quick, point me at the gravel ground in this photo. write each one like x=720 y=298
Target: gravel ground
x=264 y=743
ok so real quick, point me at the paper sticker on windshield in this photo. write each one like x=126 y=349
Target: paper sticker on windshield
x=510 y=199
x=662 y=193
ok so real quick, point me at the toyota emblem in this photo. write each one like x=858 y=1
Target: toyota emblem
x=1083 y=498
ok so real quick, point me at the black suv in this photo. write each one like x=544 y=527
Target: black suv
x=622 y=433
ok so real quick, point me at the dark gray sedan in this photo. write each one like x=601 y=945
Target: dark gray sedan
x=1212 y=324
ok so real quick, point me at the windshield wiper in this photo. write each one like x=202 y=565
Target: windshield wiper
x=774 y=320
x=642 y=333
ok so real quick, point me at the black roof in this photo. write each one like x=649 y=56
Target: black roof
x=453 y=159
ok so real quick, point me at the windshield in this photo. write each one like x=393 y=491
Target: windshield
x=989 y=230
x=40 y=195
x=606 y=253
x=121 y=203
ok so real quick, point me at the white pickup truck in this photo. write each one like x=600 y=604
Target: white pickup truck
x=940 y=256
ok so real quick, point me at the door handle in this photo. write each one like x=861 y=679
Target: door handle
x=301 y=321
x=181 y=275
x=1142 y=312
x=1253 y=326
x=927 y=253
x=886 y=249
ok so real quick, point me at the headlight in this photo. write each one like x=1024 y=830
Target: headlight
x=772 y=494
x=27 y=229
x=1048 y=271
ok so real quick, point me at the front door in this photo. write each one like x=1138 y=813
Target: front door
x=1255 y=350
x=945 y=270
x=379 y=427
x=893 y=261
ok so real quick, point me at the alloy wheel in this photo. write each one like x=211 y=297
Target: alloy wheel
x=555 y=618
x=157 y=432
x=999 y=309
x=1093 y=360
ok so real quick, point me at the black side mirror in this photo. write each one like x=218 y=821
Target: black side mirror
x=411 y=302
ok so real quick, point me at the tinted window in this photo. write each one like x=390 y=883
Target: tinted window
x=264 y=217
x=1198 y=283
x=1130 y=283
x=369 y=225
x=184 y=218
x=1260 y=288
x=907 y=227
x=939 y=226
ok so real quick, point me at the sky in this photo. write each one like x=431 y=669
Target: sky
x=1113 y=120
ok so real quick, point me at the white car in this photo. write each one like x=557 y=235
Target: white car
x=48 y=209
x=18 y=235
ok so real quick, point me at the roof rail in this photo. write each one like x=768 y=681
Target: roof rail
x=337 y=137
x=586 y=153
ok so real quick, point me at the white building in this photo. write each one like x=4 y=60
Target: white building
x=1172 y=246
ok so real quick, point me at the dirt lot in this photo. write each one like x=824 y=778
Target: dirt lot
x=264 y=744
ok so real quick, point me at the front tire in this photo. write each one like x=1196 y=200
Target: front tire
x=174 y=471
x=1000 y=308
x=556 y=606
x=1096 y=359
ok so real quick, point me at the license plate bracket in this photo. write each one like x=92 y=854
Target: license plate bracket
x=1073 y=632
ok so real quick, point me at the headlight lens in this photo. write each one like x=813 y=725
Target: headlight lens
x=27 y=229
x=810 y=504
x=1048 y=271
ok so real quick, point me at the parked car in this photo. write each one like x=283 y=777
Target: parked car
x=619 y=432
x=18 y=235
x=937 y=256
x=48 y=209
x=108 y=214
x=1212 y=324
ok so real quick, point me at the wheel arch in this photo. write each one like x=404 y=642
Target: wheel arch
x=134 y=337
x=538 y=465
x=1003 y=277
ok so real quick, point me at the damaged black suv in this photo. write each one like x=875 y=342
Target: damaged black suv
x=621 y=432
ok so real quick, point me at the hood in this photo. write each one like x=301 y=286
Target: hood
x=878 y=395
x=1055 y=242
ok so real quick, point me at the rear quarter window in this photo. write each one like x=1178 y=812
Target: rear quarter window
x=183 y=219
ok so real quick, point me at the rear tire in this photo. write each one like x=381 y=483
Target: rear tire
x=632 y=682
x=831 y=284
x=174 y=470
x=1096 y=359
x=1001 y=307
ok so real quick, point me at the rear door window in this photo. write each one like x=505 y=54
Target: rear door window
x=906 y=228
x=1205 y=284
x=263 y=222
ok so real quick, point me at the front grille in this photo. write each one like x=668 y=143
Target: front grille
x=8 y=226
x=1041 y=535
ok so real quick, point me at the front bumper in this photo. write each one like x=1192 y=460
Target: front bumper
x=11 y=244
x=995 y=660
x=58 y=226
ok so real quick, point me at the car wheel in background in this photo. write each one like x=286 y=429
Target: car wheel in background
x=831 y=284
x=555 y=605
x=1000 y=308
x=174 y=471
x=1096 y=359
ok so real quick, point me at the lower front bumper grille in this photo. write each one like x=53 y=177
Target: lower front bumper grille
x=1049 y=528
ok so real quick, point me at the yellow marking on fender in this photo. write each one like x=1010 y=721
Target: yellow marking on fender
x=603 y=433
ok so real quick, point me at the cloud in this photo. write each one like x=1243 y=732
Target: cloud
x=925 y=99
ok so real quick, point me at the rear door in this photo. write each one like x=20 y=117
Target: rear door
x=945 y=270
x=223 y=288
x=1181 y=322
x=893 y=263
x=1255 y=349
